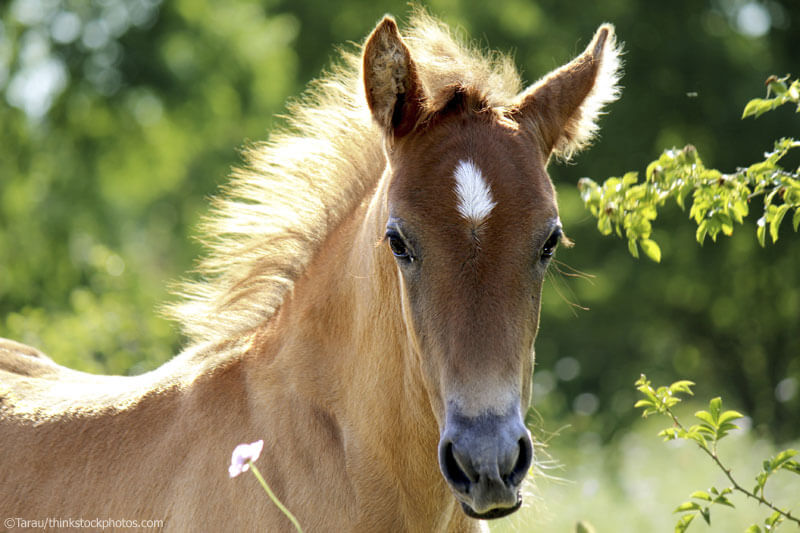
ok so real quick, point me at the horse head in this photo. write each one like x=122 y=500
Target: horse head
x=473 y=224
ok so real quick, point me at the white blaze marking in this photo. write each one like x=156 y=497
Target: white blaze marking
x=474 y=197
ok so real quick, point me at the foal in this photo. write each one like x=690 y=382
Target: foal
x=370 y=307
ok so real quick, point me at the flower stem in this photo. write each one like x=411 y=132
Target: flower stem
x=274 y=498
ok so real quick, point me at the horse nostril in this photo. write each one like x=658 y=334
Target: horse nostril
x=452 y=469
x=524 y=459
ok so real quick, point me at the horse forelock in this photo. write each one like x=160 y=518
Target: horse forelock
x=267 y=224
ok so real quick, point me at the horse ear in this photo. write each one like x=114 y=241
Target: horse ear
x=564 y=106
x=394 y=91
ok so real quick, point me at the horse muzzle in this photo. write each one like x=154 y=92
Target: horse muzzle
x=484 y=460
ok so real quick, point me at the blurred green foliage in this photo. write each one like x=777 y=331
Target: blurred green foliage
x=120 y=117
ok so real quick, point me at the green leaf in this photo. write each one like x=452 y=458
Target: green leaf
x=669 y=433
x=769 y=208
x=774 y=519
x=701 y=495
x=643 y=403
x=757 y=107
x=643 y=386
x=750 y=108
x=783 y=457
x=653 y=171
x=714 y=407
x=723 y=501
x=705 y=429
x=706 y=513
x=753 y=529
x=671 y=401
x=684 y=522
x=761 y=480
x=630 y=178
x=727 y=416
x=792 y=466
x=687 y=506
x=699 y=439
x=725 y=223
x=632 y=248
x=706 y=417
x=684 y=386
x=761 y=230
x=794 y=92
x=740 y=210
x=775 y=226
x=702 y=231
x=681 y=194
x=723 y=429
x=778 y=87
x=634 y=194
x=604 y=225
x=651 y=249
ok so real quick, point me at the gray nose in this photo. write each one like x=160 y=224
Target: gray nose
x=485 y=459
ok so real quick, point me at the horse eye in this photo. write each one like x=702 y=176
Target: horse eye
x=398 y=247
x=550 y=245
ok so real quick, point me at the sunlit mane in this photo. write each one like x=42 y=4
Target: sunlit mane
x=270 y=220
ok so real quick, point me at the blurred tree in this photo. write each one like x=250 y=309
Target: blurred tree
x=728 y=311
x=122 y=116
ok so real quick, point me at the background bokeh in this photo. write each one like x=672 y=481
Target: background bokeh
x=119 y=118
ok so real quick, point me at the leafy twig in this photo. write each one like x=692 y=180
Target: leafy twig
x=715 y=424
x=718 y=200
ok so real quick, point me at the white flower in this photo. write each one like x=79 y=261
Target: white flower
x=242 y=455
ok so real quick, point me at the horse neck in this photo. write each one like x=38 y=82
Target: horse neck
x=341 y=344
x=363 y=302
x=383 y=353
